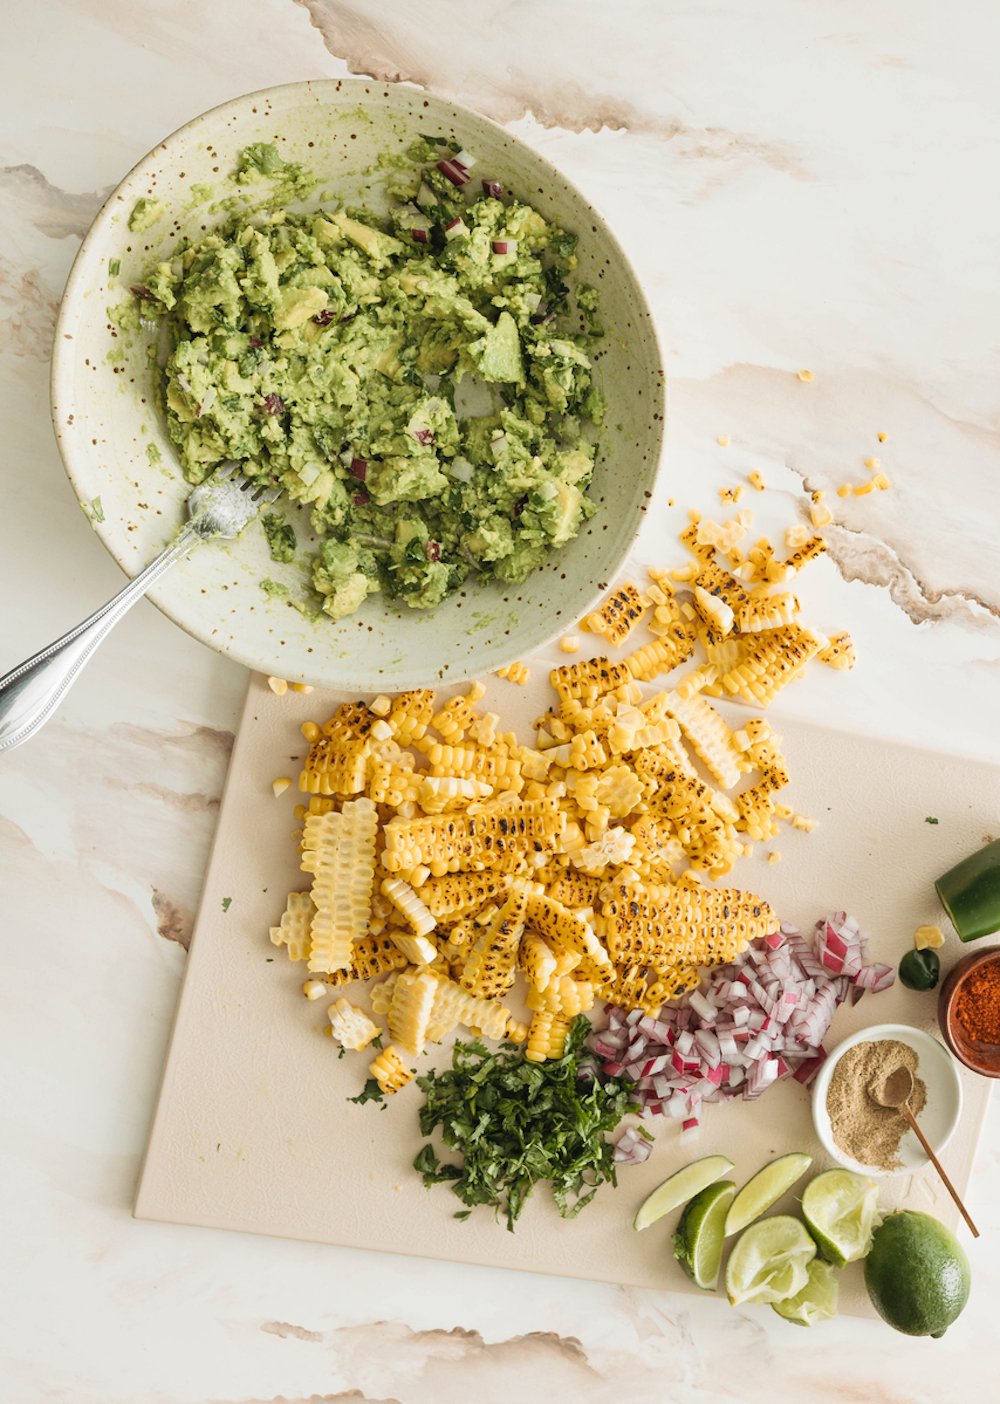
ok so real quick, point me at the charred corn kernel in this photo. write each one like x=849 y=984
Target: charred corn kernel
x=536 y=959
x=767 y=612
x=350 y=1026
x=928 y=938
x=370 y=957
x=839 y=652
x=589 y=678
x=436 y=793
x=310 y=731
x=547 y=1035
x=293 y=932
x=278 y=787
x=517 y=673
x=304 y=688
x=491 y=966
x=882 y=437
x=314 y=989
x=454 y=720
x=410 y=1011
x=563 y=929
x=388 y=1071
x=730 y=494
x=582 y=752
x=756 y=480
x=774 y=658
x=413 y=908
x=460 y=894
x=382 y=705
x=619 y=614
x=820 y=515
x=278 y=686
x=873 y=463
x=774 y=856
x=882 y=481
x=686 y=926
x=495 y=767
x=335 y=765
x=455 y=841
x=805 y=375
x=516 y=1031
x=410 y=715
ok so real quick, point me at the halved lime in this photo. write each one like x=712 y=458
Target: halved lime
x=818 y=1299
x=699 y=1237
x=841 y=1209
x=683 y=1185
x=765 y=1189
x=770 y=1261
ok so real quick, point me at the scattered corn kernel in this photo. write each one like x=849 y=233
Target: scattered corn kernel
x=722 y=440
x=800 y=821
x=757 y=481
x=863 y=489
x=310 y=731
x=805 y=375
x=315 y=989
x=882 y=437
x=687 y=572
x=873 y=463
x=774 y=856
x=844 y=490
x=796 y=536
x=730 y=494
x=569 y=643
x=820 y=515
x=928 y=938
x=515 y=672
x=278 y=686
x=475 y=693
x=280 y=786
x=381 y=706
x=305 y=688
x=881 y=481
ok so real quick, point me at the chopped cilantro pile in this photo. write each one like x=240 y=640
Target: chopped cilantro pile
x=515 y=1123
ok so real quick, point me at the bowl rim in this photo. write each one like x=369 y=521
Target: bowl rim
x=904 y=1033
x=60 y=383
x=950 y=986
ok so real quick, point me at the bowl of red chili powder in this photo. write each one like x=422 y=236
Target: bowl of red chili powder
x=969 y=1011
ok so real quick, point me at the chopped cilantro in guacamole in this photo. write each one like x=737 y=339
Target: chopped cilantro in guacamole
x=423 y=386
x=280 y=537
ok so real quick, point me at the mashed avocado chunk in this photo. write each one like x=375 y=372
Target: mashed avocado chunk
x=420 y=380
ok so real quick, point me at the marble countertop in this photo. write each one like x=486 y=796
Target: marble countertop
x=798 y=187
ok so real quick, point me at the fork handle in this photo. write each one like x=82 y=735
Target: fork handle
x=31 y=692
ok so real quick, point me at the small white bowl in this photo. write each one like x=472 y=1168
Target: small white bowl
x=939 y=1118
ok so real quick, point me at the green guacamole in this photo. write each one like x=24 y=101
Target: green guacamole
x=423 y=386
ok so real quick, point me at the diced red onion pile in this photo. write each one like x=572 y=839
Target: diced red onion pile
x=754 y=1021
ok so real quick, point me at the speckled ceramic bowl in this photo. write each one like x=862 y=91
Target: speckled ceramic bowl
x=107 y=416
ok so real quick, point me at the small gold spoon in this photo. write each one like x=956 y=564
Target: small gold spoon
x=895 y=1092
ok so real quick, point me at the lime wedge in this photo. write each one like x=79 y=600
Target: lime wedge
x=841 y=1209
x=818 y=1299
x=765 y=1189
x=699 y=1237
x=770 y=1261
x=683 y=1185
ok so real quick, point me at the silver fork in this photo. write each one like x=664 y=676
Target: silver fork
x=219 y=507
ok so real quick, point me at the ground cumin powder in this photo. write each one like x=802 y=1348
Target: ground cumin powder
x=861 y=1128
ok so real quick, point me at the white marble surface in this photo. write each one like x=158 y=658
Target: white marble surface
x=798 y=186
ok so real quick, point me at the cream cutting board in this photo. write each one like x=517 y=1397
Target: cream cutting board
x=253 y=1130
